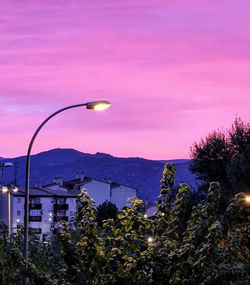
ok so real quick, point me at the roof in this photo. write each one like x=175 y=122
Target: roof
x=87 y=180
x=45 y=193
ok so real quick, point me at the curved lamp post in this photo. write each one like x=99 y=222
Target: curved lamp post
x=95 y=105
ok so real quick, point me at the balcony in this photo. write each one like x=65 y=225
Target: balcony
x=35 y=206
x=35 y=218
x=36 y=231
x=61 y=218
x=58 y=207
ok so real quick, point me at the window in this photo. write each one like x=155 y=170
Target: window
x=18 y=200
x=18 y=213
x=61 y=201
x=35 y=200
x=52 y=201
x=35 y=213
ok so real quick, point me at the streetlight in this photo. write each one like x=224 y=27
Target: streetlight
x=247 y=199
x=8 y=190
x=95 y=105
x=5 y=165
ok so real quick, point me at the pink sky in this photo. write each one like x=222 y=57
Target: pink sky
x=173 y=70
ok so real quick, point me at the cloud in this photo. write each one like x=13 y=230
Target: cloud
x=171 y=69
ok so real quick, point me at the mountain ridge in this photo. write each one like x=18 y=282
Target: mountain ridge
x=143 y=174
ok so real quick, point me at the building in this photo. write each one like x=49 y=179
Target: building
x=99 y=190
x=55 y=202
x=47 y=207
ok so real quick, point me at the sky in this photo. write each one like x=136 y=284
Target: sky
x=173 y=70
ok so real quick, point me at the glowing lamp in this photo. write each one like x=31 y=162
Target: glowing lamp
x=98 y=105
x=5 y=189
x=247 y=199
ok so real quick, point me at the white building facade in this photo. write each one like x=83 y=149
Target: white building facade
x=102 y=191
x=57 y=202
x=47 y=208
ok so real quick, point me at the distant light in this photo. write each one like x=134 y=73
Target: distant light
x=247 y=199
x=145 y=216
x=98 y=105
x=150 y=240
x=5 y=189
x=50 y=219
x=50 y=214
x=17 y=220
x=15 y=189
x=162 y=214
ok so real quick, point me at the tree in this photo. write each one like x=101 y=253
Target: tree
x=172 y=248
x=175 y=247
x=224 y=156
x=107 y=210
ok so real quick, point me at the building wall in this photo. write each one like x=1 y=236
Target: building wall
x=121 y=194
x=47 y=213
x=56 y=187
x=4 y=207
x=151 y=211
x=17 y=208
x=99 y=191
x=72 y=208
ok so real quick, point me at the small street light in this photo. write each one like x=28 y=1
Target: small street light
x=8 y=190
x=247 y=199
x=5 y=165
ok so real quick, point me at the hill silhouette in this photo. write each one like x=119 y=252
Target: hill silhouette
x=144 y=174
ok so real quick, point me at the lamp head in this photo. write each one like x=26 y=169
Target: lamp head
x=14 y=189
x=7 y=164
x=98 y=105
x=4 y=189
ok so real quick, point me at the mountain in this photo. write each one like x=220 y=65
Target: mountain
x=144 y=174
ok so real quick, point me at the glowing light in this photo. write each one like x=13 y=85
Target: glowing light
x=15 y=189
x=247 y=199
x=101 y=107
x=98 y=105
x=145 y=216
x=5 y=189
x=150 y=240
x=50 y=219
x=17 y=220
x=50 y=214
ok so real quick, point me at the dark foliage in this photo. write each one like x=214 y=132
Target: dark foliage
x=107 y=210
x=224 y=156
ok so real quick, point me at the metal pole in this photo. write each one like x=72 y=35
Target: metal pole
x=9 y=214
x=27 y=186
x=2 y=166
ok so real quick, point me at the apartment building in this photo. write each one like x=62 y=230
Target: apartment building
x=47 y=208
x=100 y=190
x=55 y=202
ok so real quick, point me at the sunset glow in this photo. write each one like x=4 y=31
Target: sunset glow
x=173 y=70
